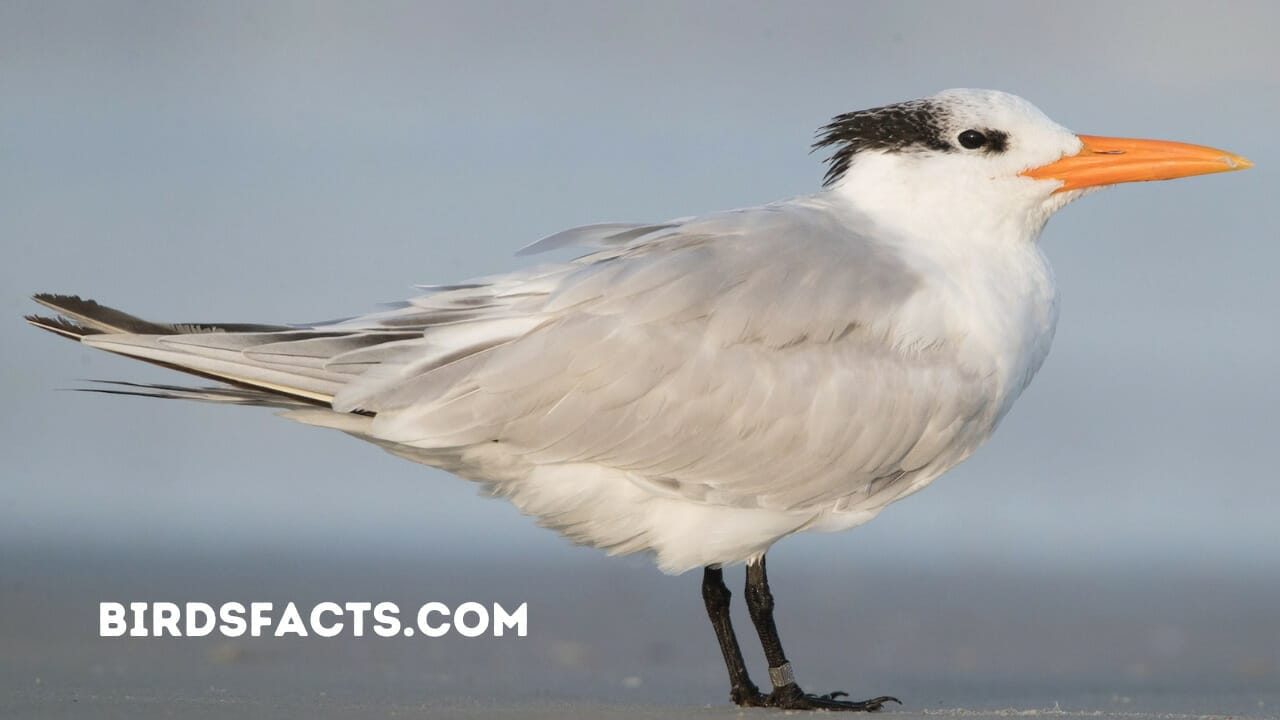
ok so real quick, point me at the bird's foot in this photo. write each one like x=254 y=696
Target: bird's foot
x=791 y=697
x=747 y=696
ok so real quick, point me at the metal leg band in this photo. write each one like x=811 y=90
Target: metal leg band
x=782 y=676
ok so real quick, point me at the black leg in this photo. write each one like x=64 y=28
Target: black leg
x=716 y=596
x=786 y=693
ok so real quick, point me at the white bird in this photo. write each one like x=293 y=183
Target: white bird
x=702 y=387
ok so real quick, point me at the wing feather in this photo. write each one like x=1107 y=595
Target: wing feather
x=753 y=359
x=765 y=357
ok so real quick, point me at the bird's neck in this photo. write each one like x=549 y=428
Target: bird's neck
x=990 y=292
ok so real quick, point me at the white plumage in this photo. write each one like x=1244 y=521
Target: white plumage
x=701 y=387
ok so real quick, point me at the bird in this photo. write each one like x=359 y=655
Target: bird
x=699 y=388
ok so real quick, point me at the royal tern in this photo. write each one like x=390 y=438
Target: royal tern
x=701 y=387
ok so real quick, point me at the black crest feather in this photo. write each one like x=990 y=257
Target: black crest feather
x=916 y=124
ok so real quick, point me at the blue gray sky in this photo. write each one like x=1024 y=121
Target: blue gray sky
x=300 y=161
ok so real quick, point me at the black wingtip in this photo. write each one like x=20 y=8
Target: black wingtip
x=66 y=303
x=45 y=298
x=91 y=313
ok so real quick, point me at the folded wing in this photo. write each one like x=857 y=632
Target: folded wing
x=757 y=358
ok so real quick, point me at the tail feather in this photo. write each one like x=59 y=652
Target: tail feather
x=278 y=384
x=235 y=369
x=310 y=364
x=226 y=395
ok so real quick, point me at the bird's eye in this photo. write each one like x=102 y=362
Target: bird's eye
x=972 y=139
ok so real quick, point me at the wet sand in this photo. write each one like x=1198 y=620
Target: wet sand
x=614 y=638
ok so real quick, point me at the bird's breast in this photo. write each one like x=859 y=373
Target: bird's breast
x=1000 y=310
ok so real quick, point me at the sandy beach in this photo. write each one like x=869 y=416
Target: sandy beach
x=611 y=638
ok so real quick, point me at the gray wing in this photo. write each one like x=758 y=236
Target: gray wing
x=766 y=357
x=758 y=358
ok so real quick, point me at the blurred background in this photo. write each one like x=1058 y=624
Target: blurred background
x=282 y=162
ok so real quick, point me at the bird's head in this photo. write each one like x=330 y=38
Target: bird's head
x=987 y=162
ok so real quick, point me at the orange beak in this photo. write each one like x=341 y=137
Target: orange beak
x=1107 y=161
